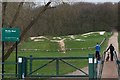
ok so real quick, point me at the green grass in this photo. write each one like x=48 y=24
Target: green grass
x=89 y=41
x=39 y=45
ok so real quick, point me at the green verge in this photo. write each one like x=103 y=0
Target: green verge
x=90 y=41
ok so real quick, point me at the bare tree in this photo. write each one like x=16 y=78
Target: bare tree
x=16 y=15
x=64 y=19
x=9 y=51
x=4 y=4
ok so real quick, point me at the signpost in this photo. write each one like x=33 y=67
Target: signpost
x=9 y=35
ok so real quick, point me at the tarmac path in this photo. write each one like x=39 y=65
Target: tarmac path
x=110 y=67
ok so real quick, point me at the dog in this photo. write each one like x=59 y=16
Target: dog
x=107 y=59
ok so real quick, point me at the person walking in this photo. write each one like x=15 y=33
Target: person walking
x=97 y=55
x=111 y=48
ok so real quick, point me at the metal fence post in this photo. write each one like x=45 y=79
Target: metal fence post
x=91 y=66
x=57 y=66
x=95 y=68
x=118 y=63
x=30 y=64
x=22 y=67
x=20 y=62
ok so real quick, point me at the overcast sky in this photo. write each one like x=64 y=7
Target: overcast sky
x=93 y=1
x=83 y=0
x=98 y=0
x=61 y=0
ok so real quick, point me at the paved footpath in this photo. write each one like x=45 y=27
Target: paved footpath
x=110 y=68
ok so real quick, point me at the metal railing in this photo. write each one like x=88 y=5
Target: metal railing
x=67 y=49
x=10 y=73
x=23 y=69
x=100 y=66
x=24 y=61
x=117 y=63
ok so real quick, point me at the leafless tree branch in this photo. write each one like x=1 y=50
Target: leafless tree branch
x=9 y=51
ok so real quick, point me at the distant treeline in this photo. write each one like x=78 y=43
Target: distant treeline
x=77 y=18
x=66 y=19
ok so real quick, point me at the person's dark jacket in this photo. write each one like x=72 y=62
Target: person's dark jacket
x=111 y=48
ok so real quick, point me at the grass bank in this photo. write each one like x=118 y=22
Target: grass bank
x=79 y=45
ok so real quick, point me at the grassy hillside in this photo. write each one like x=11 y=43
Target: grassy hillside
x=78 y=45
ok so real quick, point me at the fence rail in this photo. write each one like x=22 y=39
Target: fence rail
x=100 y=66
x=68 y=49
x=58 y=60
x=10 y=74
x=49 y=58
x=24 y=73
x=117 y=63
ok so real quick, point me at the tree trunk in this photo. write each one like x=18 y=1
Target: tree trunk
x=16 y=15
x=9 y=51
